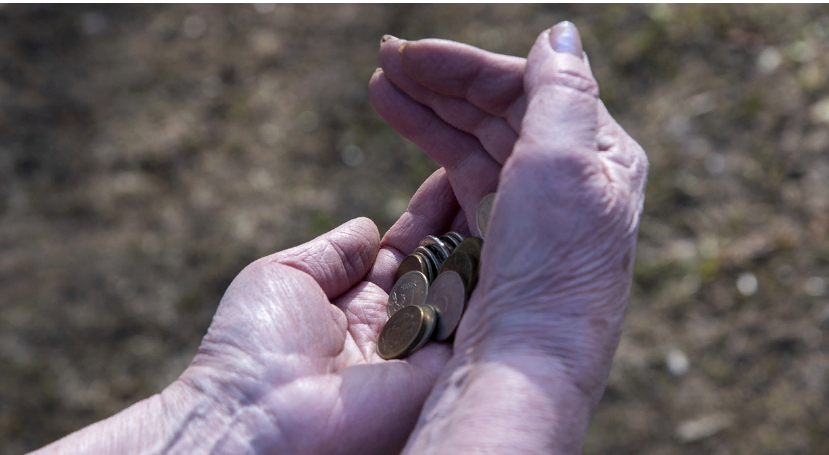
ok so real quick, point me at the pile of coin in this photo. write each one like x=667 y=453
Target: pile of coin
x=431 y=289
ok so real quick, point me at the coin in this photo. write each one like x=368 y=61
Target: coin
x=432 y=258
x=458 y=238
x=472 y=246
x=482 y=215
x=410 y=289
x=450 y=241
x=415 y=262
x=448 y=295
x=431 y=240
x=406 y=331
x=460 y=262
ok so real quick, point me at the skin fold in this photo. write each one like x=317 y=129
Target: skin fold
x=289 y=364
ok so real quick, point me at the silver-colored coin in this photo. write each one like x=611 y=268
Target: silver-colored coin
x=483 y=213
x=432 y=270
x=448 y=295
x=439 y=254
x=410 y=289
x=449 y=241
x=432 y=258
x=458 y=238
x=431 y=240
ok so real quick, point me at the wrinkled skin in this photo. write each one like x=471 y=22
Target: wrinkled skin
x=289 y=363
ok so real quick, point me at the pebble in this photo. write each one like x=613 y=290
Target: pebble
x=694 y=430
x=747 y=284
x=815 y=286
x=677 y=362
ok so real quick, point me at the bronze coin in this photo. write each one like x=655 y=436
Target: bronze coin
x=483 y=213
x=415 y=263
x=405 y=332
x=410 y=289
x=448 y=296
x=460 y=262
x=472 y=246
x=436 y=245
x=430 y=321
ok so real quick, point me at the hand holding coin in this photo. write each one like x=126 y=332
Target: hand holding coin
x=541 y=328
x=290 y=363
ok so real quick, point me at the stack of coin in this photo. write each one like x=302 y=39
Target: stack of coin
x=432 y=287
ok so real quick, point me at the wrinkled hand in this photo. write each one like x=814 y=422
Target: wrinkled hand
x=289 y=361
x=290 y=357
x=534 y=349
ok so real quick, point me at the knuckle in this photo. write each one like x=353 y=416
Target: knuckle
x=575 y=79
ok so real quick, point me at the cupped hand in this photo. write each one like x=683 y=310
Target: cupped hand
x=534 y=348
x=289 y=362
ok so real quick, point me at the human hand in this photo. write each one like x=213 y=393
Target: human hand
x=289 y=363
x=536 y=343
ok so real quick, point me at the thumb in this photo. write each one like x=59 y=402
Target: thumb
x=562 y=95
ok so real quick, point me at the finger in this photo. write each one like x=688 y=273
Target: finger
x=338 y=259
x=493 y=82
x=431 y=210
x=460 y=225
x=562 y=110
x=472 y=172
x=495 y=134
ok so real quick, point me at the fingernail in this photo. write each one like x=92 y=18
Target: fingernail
x=402 y=46
x=565 y=38
x=385 y=38
x=378 y=70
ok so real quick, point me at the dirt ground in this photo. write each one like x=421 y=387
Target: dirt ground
x=148 y=153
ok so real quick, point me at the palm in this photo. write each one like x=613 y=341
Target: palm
x=309 y=372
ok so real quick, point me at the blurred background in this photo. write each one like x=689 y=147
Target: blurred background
x=148 y=153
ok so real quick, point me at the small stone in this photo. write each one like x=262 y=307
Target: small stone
x=769 y=60
x=820 y=111
x=815 y=286
x=694 y=430
x=677 y=362
x=747 y=284
x=803 y=51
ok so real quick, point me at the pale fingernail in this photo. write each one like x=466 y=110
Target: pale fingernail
x=378 y=70
x=565 y=38
x=385 y=38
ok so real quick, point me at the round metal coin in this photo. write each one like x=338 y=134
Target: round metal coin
x=416 y=263
x=482 y=215
x=448 y=296
x=432 y=258
x=457 y=236
x=460 y=262
x=410 y=289
x=431 y=240
x=472 y=246
x=450 y=241
x=406 y=331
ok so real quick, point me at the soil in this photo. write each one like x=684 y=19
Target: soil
x=148 y=153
